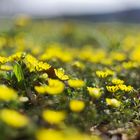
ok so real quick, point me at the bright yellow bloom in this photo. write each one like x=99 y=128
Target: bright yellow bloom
x=17 y=56
x=77 y=105
x=112 y=88
x=13 y=118
x=54 y=87
x=5 y=67
x=94 y=92
x=70 y=134
x=3 y=60
x=113 y=102
x=34 y=65
x=45 y=134
x=53 y=117
x=117 y=81
x=42 y=66
x=41 y=89
x=7 y=94
x=30 y=62
x=125 y=88
x=119 y=87
x=76 y=83
x=104 y=74
x=60 y=73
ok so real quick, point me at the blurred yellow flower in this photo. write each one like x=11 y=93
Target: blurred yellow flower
x=135 y=55
x=130 y=65
x=5 y=67
x=45 y=134
x=113 y=102
x=104 y=74
x=77 y=105
x=76 y=83
x=94 y=92
x=117 y=81
x=7 y=94
x=53 y=117
x=119 y=56
x=22 y=20
x=69 y=134
x=78 y=64
x=54 y=87
x=60 y=73
x=13 y=118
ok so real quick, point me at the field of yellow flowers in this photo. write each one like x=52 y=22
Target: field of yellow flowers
x=69 y=81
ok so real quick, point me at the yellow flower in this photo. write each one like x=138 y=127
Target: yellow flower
x=113 y=102
x=54 y=87
x=125 y=88
x=42 y=66
x=5 y=67
x=117 y=81
x=129 y=65
x=3 y=60
x=60 y=73
x=77 y=105
x=7 y=94
x=76 y=83
x=94 y=92
x=135 y=54
x=41 y=89
x=119 y=87
x=34 y=65
x=118 y=56
x=13 y=118
x=112 y=88
x=56 y=51
x=104 y=74
x=17 y=56
x=68 y=134
x=44 y=76
x=78 y=64
x=53 y=117
x=45 y=134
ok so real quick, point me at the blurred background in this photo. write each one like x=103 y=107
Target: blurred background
x=94 y=10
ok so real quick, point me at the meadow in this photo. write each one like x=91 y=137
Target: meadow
x=68 y=80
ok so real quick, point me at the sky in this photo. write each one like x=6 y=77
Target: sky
x=64 y=7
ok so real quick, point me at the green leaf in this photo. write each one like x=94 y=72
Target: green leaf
x=18 y=72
